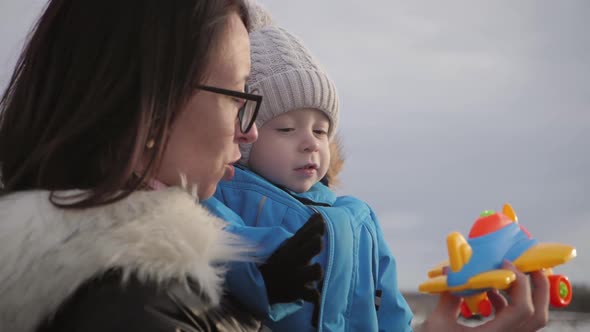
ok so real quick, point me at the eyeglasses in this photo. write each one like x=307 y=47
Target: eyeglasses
x=248 y=111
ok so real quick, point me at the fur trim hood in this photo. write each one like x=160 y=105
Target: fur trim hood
x=46 y=253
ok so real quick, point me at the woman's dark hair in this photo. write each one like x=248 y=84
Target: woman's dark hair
x=97 y=80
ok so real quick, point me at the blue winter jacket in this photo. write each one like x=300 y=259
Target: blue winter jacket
x=359 y=290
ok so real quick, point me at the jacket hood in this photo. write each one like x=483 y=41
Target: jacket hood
x=46 y=253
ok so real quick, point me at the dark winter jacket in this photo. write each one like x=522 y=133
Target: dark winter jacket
x=154 y=261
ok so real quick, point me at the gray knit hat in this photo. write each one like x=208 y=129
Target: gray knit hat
x=289 y=78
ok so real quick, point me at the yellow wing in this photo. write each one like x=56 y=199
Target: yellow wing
x=434 y=285
x=544 y=255
x=498 y=279
x=438 y=270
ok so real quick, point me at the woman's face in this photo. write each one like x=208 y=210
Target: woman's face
x=204 y=138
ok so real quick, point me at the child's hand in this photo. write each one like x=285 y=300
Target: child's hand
x=527 y=312
x=287 y=273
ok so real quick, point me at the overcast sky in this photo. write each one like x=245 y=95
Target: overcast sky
x=447 y=108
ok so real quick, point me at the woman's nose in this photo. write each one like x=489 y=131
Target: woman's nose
x=249 y=137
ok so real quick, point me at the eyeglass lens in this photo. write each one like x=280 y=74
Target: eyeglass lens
x=246 y=113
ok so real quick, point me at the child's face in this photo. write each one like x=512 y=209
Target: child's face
x=292 y=149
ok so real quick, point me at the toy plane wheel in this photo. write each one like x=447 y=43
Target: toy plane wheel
x=485 y=307
x=465 y=311
x=560 y=291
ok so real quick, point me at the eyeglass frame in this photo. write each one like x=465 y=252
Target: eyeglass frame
x=244 y=95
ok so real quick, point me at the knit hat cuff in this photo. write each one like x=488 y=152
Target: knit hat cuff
x=292 y=90
x=297 y=89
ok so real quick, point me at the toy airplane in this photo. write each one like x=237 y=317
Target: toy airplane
x=474 y=265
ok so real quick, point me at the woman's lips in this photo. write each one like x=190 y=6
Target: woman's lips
x=230 y=170
x=229 y=173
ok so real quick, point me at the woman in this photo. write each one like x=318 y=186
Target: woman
x=111 y=100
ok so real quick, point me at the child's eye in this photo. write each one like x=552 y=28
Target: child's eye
x=320 y=132
x=285 y=130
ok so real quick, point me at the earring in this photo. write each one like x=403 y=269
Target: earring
x=150 y=143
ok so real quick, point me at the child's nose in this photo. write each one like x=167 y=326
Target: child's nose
x=310 y=144
x=312 y=147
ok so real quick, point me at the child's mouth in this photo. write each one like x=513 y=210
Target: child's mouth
x=308 y=170
x=307 y=167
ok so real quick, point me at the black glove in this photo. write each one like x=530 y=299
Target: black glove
x=287 y=273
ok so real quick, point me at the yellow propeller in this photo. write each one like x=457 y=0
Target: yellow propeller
x=509 y=212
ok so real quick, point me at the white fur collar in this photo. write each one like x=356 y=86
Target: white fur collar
x=46 y=253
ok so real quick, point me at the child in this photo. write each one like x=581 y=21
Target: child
x=279 y=187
